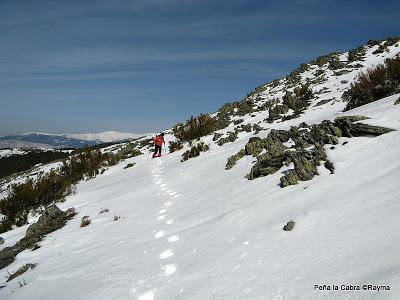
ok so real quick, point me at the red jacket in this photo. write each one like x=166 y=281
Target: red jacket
x=159 y=140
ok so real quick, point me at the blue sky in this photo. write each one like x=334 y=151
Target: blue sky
x=137 y=66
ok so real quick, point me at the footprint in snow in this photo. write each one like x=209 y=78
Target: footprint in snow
x=166 y=254
x=169 y=269
x=159 y=234
x=173 y=239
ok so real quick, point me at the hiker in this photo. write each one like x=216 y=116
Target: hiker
x=158 y=142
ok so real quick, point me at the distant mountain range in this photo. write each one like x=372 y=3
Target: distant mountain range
x=57 y=141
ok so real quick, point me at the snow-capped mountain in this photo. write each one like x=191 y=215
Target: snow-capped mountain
x=49 y=140
x=210 y=228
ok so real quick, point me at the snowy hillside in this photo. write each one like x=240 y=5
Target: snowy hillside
x=51 y=140
x=194 y=230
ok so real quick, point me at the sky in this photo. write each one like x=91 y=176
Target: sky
x=142 y=66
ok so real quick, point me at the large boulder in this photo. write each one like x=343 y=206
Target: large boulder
x=52 y=219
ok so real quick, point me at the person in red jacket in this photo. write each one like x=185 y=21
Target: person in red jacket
x=158 y=142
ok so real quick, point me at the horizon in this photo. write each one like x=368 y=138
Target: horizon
x=143 y=66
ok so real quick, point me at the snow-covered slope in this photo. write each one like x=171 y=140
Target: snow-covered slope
x=194 y=230
x=105 y=137
x=52 y=140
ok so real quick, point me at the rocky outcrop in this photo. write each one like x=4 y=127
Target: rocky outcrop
x=307 y=152
x=232 y=136
x=52 y=219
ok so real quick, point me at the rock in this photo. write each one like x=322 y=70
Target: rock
x=232 y=136
x=70 y=212
x=289 y=179
x=289 y=226
x=254 y=146
x=51 y=219
x=279 y=135
x=344 y=143
x=21 y=271
x=1 y=241
x=217 y=136
x=351 y=119
x=85 y=221
x=266 y=164
x=303 y=125
x=322 y=102
x=304 y=167
x=7 y=255
x=329 y=165
x=360 y=129
x=236 y=122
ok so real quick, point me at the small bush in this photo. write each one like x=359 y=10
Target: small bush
x=194 y=128
x=130 y=165
x=104 y=210
x=116 y=218
x=377 y=83
x=85 y=221
x=356 y=54
x=52 y=187
x=397 y=102
x=195 y=151
x=174 y=146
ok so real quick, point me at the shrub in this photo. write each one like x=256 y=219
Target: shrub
x=52 y=186
x=104 y=210
x=356 y=54
x=174 y=146
x=17 y=163
x=195 y=151
x=377 y=83
x=194 y=128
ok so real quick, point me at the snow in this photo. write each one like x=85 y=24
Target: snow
x=105 y=137
x=194 y=230
x=222 y=235
x=9 y=152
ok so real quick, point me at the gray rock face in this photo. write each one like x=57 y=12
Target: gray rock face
x=254 y=146
x=307 y=152
x=217 y=136
x=329 y=165
x=232 y=136
x=289 y=226
x=52 y=219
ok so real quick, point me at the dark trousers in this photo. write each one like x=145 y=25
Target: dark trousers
x=157 y=150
